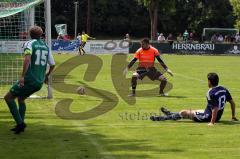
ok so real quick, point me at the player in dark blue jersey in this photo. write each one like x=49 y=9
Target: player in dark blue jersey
x=217 y=96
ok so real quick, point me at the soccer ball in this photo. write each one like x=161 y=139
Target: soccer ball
x=81 y=90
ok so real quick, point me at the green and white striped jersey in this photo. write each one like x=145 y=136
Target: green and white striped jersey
x=40 y=57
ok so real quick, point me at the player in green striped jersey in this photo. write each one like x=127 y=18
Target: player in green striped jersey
x=37 y=56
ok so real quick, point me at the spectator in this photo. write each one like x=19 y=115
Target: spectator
x=179 y=37
x=214 y=38
x=237 y=38
x=185 y=35
x=170 y=39
x=127 y=37
x=220 y=38
x=232 y=38
x=66 y=37
x=161 y=38
x=227 y=39
x=60 y=37
x=191 y=36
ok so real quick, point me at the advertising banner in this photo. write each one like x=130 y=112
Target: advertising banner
x=192 y=48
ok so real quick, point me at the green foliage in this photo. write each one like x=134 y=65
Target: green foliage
x=198 y=14
x=177 y=15
x=113 y=18
x=146 y=3
x=236 y=11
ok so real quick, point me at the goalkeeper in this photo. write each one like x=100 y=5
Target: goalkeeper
x=146 y=56
x=37 y=55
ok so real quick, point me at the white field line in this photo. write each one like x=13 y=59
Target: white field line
x=99 y=147
x=190 y=78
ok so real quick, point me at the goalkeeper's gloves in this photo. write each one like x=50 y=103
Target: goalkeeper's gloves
x=169 y=72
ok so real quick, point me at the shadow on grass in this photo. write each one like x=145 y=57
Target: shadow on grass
x=48 y=140
x=32 y=115
x=172 y=96
x=227 y=122
x=222 y=122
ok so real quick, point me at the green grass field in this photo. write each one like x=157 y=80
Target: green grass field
x=125 y=132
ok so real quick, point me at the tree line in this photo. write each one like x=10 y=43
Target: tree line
x=145 y=18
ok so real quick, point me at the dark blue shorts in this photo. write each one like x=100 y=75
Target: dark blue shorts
x=202 y=116
x=206 y=116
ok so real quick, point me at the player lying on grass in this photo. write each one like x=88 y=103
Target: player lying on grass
x=146 y=56
x=216 y=100
x=37 y=55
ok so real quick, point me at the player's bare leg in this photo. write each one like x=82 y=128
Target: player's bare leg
x=83 y=51
x=79 y=50
x=187 y=114
x=163 y=84
x=134 y=84
x=82 y=46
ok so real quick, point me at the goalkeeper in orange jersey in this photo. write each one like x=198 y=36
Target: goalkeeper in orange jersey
x=146 y=56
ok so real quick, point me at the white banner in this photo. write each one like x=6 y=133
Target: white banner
x=11 y=46
x=107 y=47
x=91 y=47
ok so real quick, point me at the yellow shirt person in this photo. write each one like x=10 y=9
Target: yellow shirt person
x=84 y=38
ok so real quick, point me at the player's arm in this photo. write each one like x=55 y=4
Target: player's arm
x=132 y=62
x=26 y=63
x=163 y=65
x=91 y=37
x=233 y=105
x=136 y=57
x=233 y=108
x=214 y=115
x=51 y=62
x=130 y=65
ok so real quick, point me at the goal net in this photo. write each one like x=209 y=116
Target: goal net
x=16 y=17
x=209 y=32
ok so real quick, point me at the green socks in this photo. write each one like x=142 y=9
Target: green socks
x=15 y=113
x=22 y=110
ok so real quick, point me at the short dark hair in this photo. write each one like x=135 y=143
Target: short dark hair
x=35 y=32
x=213 y=78
x=145 y=40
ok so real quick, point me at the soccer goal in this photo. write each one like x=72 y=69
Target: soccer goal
x=209 y=32
x=16 y=17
